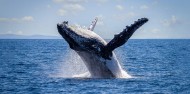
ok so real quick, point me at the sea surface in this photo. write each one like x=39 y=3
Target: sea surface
x=32 y=66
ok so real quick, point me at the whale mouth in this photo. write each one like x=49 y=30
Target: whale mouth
x=65 y=31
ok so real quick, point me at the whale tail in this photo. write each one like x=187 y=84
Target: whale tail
x=122 y=37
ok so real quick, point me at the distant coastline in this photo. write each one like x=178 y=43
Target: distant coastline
x=14 y=36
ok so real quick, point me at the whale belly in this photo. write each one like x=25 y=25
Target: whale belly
x=96 y=65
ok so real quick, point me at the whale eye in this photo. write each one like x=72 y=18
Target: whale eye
x=96 y=47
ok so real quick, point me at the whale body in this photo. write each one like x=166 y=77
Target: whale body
x=96 y=53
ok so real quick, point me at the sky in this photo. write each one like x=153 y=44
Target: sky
x=168 y=19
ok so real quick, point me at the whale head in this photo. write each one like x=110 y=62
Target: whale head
x=80 y=39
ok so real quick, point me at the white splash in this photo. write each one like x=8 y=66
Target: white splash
x=70 y=65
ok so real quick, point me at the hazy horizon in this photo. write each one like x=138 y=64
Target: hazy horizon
x=15 y=36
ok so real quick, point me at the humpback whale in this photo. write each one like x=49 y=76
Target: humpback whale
x=96 y=53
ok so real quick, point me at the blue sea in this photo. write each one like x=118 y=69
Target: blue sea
x=34 y=66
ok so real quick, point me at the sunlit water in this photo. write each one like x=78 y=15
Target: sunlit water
x=46 y=66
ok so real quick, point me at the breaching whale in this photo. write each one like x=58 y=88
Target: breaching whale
x=95 y=52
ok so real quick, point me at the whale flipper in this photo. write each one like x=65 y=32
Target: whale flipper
x=122 y=37
x=93 y=24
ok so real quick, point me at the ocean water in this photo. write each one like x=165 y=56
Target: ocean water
x=47 y=66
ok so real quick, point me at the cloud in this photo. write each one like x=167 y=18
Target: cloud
x=124 y=16
x=119 y=7
x=155 y=2
x=19 y=33
x=48 y=6
x=130 y=14
x=101 y=1
x=70 y=1
x=74 y=7
x=28 y=18
x=144 y=7
x=15 y=32
x=58 y=1
x=70 y=8
x=155 y=30
x=79 y=1
x=100 y=20
x=62 y=12
x=132 y=7
x=18 y=20
x=170 y=22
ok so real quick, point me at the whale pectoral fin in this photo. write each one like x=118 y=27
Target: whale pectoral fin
x=122 y=37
